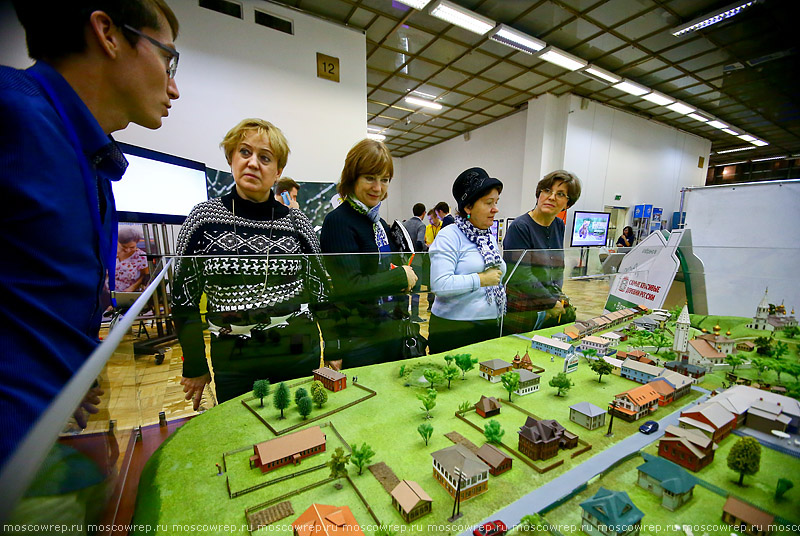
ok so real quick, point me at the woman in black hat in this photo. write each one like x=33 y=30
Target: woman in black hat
x=466 y=268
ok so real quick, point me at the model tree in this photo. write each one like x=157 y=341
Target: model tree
x=318 y=393
x=601 y=367
x=338 y=463
x=261 y=390
x=590 y=354
x=361 y=456
x=281 y=398
x=510 y=381
x=777 y=366
x=561 y=382
x=493 y=431
x=428 y=402
x=465 y=406
x=466 y=363
x=304 y=406
x=425 y=430
x=449 y=358
x=745 y=457
x=784 y=485
x=780 y=350
x=760 y=364
x=763 y=345
x=794 y=370
x=433 y=376
x=450 y=374
x=791 y=331
x=300 y=394
x=660 y=339
x=734 y=361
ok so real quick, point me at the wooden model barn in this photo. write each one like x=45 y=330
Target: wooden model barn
x=488 y=406
x=291 y=448
x=449 y=462
x=333 y=380
x=410 y=500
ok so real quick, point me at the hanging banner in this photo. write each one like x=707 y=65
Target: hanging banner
x=646 y=273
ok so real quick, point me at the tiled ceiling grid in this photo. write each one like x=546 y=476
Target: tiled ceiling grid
x=743 y=71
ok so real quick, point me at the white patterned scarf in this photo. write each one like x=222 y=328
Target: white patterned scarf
x=482 y=238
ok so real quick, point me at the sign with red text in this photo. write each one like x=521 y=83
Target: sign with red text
x=646 y=273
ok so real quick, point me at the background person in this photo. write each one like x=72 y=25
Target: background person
x=416 y=230
x=132 y=267
x=466 y=268
x=442 y=210
x=290 y=186
x=431 y=230
x=535 y=298
x=359 y=256
x=259 y=265
x=626 y=238
x=99 y=67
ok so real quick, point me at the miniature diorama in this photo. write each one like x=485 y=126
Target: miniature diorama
x=666 y=480
x=488 y=406
x=494 y=368
x=528 y=382
x=457 y=463
x=770 y=317
x=542 y=439
x=497 y=460
x=752 y=520
x=611 y=513
x=688 y=447
x=410 y=500
x=587 y=415
x=333 y=380
x=635 y=403
x=288 y=449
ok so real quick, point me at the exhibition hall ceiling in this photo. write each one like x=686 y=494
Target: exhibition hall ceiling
x=742 y=71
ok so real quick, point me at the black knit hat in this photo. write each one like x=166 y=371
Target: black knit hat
x=471 y=185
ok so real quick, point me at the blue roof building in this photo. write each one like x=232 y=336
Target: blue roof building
x=611 y=513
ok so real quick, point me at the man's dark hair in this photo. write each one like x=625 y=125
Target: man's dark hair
x=286 y=184
x=418 y=210
x=54 y=29
x=442 y=206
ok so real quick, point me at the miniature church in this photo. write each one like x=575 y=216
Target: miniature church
x=771 y=322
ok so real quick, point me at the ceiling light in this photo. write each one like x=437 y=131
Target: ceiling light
x=717 y=124
x=731 y=163
x=658 y=98
x=737 y=149
x=376 y=137
x=562 y=59
x=423 y=102
x=681 y=108
x=759 y=143
x=374 y=128
x=516 y=39
x=424 y=95
x=770 y=158
x=698 y=117
x=462 y=17
x=602 y=74
x=712 y=18
x=629 y=87
x=416 y=4
x=729 y=131
x=747 y=137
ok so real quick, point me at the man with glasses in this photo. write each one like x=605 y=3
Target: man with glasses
x=100 y=65
x=535 y=298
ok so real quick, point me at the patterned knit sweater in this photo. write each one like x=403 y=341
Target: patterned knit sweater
x=223 y=245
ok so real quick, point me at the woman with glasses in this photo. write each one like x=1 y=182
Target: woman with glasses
x=535 y=298
x=368 y=278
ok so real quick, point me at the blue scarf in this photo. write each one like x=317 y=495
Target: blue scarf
x=482 y=238
x=381 y=240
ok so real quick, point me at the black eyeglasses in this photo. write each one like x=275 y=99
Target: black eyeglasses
x=172 y=65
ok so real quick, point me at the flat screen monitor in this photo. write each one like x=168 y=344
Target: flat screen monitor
x=158 y=187
x=590 y=229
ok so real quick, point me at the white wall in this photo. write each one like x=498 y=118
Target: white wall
x=427 y=176
x=615 y=152
x=231 y=69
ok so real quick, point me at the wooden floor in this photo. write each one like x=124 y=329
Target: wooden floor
x=136 y=389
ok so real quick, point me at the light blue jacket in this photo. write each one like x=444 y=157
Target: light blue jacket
x=455 y=264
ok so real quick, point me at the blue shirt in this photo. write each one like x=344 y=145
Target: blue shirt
x=455 y=264
x=51 y=270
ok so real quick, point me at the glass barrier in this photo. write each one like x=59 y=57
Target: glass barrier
x=218 y=324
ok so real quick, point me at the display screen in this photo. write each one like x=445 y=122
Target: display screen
x=157 y=187
x=590 y=229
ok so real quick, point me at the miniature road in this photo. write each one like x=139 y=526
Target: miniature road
x=563 y=485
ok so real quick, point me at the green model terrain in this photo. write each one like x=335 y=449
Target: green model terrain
x=180 y=485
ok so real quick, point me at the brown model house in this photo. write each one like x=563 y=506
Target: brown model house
x=494 y=368
x=755 y=521
x=710 y=418
x=458 y=461
x=322 y=519
x=497 y=461
x=488 y=406
x=540 y=440
x=687 y=447
x=333 y=380
x=410 y=500
x=288 y=449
